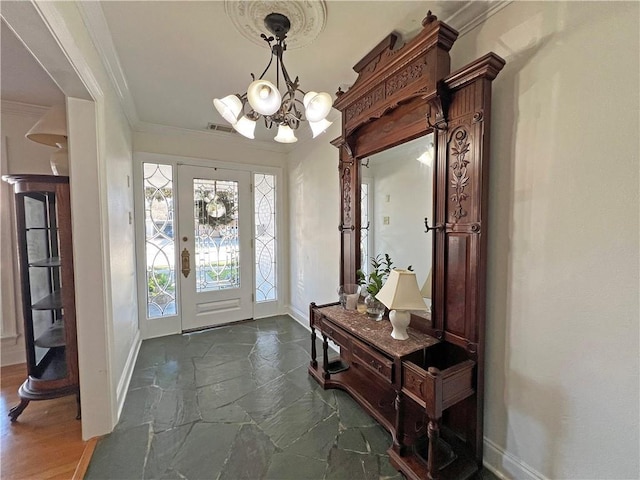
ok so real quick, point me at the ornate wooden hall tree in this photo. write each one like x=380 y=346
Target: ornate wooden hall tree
x=427 y=391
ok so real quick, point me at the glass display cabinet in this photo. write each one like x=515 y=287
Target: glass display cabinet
x=45 y=258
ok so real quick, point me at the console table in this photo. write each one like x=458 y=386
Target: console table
x=405 y=385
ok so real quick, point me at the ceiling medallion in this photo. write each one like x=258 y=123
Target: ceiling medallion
x=308 y=19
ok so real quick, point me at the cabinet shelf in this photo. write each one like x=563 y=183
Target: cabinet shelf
x=53 y=301
x=52 y=337
x=47 y=262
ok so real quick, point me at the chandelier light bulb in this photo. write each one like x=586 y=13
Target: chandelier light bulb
x=264 y=97
x=264 y=92
x=229 y=107
x=317 y=105
x=245 y=126
x=285 y=135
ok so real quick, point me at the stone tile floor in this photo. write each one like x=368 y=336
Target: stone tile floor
x=237 y=402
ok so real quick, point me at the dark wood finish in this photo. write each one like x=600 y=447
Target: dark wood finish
x=391 y=380
x=401 y=94
x=52 y=353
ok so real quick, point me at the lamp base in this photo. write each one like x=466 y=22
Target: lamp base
x=400 y=320
x=59 y=161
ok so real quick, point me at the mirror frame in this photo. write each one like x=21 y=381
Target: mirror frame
x=402 y=93
x=396 y=98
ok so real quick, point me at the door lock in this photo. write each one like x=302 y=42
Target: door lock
x=186 y=269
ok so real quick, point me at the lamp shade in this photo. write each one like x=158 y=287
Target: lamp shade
x=426 y=289
x=229 y=107
x=319 y=127
x=285 y=135
x=401 y=292
x=51 y=129
x=245 y=126
x=317 y=105
x=264 y=97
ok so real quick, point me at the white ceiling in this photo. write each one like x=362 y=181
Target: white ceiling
x=22 y=78
x=169 y=59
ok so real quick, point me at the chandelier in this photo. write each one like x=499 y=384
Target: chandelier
x=263 y=98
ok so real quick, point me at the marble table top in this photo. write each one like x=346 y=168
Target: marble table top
x=377 y=333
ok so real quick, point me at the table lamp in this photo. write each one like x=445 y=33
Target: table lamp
x=400 y=294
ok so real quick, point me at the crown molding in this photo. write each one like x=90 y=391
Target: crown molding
x=157 y=129
x=473 y=13
x=96 y=23
x=20 y=109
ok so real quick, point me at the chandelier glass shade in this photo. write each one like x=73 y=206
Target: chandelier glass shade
x=263 y=98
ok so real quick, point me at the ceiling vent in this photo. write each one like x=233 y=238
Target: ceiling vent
x=216 y=127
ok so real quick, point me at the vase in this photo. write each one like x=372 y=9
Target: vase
x=349 y=295
x=375 y=308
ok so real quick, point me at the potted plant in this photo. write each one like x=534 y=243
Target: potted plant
x=380 y=269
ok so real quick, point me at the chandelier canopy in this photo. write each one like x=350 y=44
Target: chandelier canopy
x=263 y=98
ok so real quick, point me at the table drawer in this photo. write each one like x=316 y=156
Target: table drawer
x=372 y=360
x=334 y=333
x=436 y=390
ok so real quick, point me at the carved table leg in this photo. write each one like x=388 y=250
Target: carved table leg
x=433 y=431
x=15 y=412
x=314 y=362
x=397 y=436
x=325 y=356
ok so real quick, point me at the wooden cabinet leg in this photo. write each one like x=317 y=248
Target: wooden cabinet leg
x=314 y=362
x=433 y=432
x=397 y=436
x=15 y=412
x=325 y=356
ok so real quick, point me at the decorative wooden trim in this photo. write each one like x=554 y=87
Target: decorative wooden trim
x=400 y=94
x=389 y=77
x=486 y=67
x=459 y=148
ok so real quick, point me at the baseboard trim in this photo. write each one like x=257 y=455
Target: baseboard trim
x=12 y=351
x=125 y=378
x=303 y=319
x=505 y=465
x=299 y=316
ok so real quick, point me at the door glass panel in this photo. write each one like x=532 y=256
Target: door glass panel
x=265 y=236
x=159 y=240
x=217 y=253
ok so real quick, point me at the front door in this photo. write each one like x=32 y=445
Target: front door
x=214 y=241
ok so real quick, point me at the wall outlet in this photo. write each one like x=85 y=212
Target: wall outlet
x=385 y=220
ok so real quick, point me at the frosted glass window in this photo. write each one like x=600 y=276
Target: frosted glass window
x=159 y=240
x=217 y=252
x=265 y=236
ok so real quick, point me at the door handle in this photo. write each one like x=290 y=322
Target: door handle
x=186 y=269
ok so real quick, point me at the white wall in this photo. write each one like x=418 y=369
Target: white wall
x=19 y=156
x=562 y=316
x=209 y=145
x=314 y=252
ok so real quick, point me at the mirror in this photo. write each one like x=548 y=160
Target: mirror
x=396 y=196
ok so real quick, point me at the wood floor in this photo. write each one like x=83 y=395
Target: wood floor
x=46 y=440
